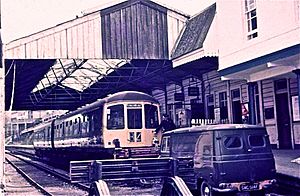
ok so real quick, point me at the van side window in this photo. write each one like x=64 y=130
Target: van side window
x=256 y=140
x=165 y=145
x=232 y=141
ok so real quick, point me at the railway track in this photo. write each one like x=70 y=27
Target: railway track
x=47 y=180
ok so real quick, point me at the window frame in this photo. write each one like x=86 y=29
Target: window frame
x=231 y=136
x=263 y=138
x=250 y=8
x=109 y=127
x=166 y=146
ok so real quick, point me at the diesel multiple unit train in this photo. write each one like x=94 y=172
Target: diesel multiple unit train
x=120 y=125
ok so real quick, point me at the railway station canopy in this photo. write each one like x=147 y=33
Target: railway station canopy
x=127 y=46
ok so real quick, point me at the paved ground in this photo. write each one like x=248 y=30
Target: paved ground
x=283 y=162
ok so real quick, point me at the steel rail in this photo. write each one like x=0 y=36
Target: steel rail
x=28 y=178
x=61 y=176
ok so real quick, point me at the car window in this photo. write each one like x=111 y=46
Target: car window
x=165 y=145
x=232 y=141
x=184 y=143
x=256 y=140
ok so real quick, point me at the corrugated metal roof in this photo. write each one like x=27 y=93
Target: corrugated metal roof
x=194 y=33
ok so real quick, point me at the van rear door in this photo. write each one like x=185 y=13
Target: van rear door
x=261 y=159
x=245 y=155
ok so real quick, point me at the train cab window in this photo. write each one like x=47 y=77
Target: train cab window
x=134 y=118
x=151 y=116
x=115 y=117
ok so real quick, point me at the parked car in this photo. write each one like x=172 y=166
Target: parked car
x=227 y=158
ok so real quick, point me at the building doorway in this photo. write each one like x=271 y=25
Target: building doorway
x=283 y=115
x=236 y=106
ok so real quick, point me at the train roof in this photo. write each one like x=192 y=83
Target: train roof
x=36 y=127
x=120 y=96
x=213 y=128
x=130 y=96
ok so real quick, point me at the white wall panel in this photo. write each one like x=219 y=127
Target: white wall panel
x=78 y=38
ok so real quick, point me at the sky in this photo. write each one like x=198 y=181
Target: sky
x=24 y=17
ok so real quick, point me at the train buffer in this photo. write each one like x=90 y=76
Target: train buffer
x=98 y=172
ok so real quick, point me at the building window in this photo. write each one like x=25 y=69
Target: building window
x=210 y=107
x=251 y=18
x=223 y=105
x=257 y=107
x=236 y=106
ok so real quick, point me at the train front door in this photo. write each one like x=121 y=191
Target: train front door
x=283 y=116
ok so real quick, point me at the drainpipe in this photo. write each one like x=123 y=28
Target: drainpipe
x=297 y=72
x=252 y=117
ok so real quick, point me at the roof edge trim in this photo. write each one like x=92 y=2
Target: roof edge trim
x=290 y=51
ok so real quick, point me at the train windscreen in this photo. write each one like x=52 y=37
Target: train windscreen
x=151 y=115
x=115 y=117
x=134 y=118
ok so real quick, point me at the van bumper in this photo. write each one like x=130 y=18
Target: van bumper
x=226 y=190
x=235 y=187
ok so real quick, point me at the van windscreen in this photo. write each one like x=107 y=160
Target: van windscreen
x=184 y=143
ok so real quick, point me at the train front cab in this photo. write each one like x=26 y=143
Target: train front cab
x=129 y=128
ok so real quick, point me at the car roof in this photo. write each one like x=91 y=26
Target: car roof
x=213 y=128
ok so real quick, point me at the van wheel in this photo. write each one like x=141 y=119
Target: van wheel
x=205 y=189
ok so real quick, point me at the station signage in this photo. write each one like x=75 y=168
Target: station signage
x=179 y=96
x=193 y=91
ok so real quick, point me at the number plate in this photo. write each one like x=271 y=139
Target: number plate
x=249 y=186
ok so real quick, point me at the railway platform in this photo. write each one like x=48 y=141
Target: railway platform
x=288 y=171
x=286 y=162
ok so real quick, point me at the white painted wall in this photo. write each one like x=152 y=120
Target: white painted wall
x=278 y=28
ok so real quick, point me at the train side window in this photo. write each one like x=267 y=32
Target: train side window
x=76 y=128
x=71 y=130
x=84 y=126
x=115 y=117
x=45 y=134
x=67 y=129
x=151 y=116
x=79 y=126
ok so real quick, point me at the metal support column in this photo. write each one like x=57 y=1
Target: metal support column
x=2 y=110
x=252 y=116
